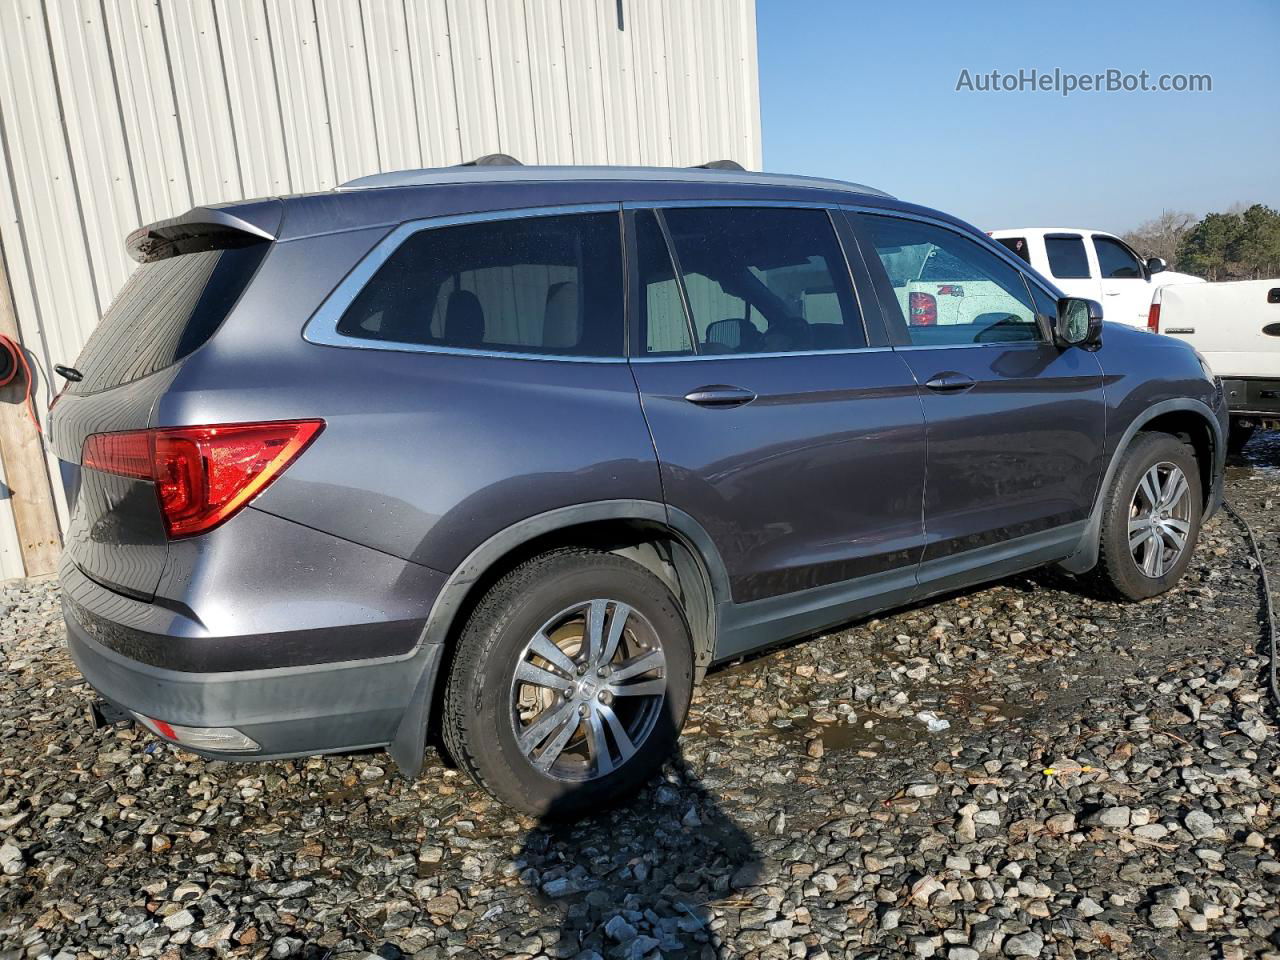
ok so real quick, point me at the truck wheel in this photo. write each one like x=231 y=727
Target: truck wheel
x=570 y=683
x=1151 y=519
x=1239 y=434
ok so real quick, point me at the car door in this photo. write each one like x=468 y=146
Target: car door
x=1071 y=265
x=796 y=442
x=1126 y=286
x=1014 y=424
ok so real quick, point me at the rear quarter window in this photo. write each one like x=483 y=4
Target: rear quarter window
x=541 y=285
x=165 y=311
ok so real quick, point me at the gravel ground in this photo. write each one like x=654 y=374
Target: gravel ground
x=1018 y=771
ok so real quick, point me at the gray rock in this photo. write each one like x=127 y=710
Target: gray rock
x=618 y=929
x=1200 y=825
x=1088 y=907
x=11 y=859
x=1028 y=944
x=1113 y=817
x=180 y=919
x=641 y=946
x=1176 y=897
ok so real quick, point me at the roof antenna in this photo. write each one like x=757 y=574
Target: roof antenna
x=720 y=165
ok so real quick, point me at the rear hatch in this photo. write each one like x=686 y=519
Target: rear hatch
x=192 y=272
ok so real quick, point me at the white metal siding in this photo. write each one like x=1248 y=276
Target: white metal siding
x=116 y=113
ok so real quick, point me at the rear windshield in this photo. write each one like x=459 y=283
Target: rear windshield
x=166 y=310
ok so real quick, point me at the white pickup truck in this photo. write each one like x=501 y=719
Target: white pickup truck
x=1096 y=265
x=1236 y=328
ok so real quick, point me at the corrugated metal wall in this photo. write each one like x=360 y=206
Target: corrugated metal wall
x=115 y=113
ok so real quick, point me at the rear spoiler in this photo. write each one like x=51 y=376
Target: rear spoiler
x=218 y=227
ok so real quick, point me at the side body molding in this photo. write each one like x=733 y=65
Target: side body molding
x=409 y=744
x=1086 y=555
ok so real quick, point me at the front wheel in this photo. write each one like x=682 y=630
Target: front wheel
x=570 y=683
x=1151 y=520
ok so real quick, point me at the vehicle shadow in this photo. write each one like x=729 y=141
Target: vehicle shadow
x=643 y=877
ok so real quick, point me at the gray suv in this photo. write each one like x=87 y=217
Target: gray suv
x=510 y=456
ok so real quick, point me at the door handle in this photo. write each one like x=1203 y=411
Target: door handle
x=720 y=395
x=949 y=382
x=1113 y=293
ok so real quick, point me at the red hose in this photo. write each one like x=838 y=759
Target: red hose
x=18 y=361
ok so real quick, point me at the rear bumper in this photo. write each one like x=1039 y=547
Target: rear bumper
x=303 y=657
x=1259 y=398
x=289 y=711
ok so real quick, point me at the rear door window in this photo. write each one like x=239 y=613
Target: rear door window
x=1067 y=259
x=542 y=285
x=756 y=279
x=166 y=310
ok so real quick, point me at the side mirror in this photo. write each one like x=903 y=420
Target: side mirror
x=1156 y=265
x=1079 y=323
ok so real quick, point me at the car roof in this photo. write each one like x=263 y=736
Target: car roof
x=383 y=200
x=531 y=174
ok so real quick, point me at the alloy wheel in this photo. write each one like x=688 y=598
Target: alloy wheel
x=588 y=690
x=1160 y=519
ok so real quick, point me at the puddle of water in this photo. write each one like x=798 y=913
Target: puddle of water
x=1260 y=459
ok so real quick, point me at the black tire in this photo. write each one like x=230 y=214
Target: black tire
x=1239 y=434
x=480 y=697
x=1118 y=571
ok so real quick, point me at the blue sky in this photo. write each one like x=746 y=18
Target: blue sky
x=866 y=92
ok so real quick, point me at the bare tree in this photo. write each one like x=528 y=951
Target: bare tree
x=1162 y=237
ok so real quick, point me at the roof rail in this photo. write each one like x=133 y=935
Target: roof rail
x=479 y=171
x=719 y=165
x=493 y=160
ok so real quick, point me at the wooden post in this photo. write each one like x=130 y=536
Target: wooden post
x=25 y=470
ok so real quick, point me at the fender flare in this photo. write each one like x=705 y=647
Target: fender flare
x=409 y=744
x=1086 y=555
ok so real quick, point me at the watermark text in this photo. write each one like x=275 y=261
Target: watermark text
x=1065 y=83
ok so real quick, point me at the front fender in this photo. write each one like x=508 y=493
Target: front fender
x=1086 y=555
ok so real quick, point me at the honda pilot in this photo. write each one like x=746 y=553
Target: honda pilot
x=510 y=456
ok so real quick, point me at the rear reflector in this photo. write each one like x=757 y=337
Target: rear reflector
x=1153 y=318
x=224 y=739
x=203 y=475
x=923 y=310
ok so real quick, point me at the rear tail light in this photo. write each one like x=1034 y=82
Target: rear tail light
x=202 y=475
x=923 y=308
x=1153 y=318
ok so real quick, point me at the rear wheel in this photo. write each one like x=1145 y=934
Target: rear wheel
x=1152 y=518
x=570 y=684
